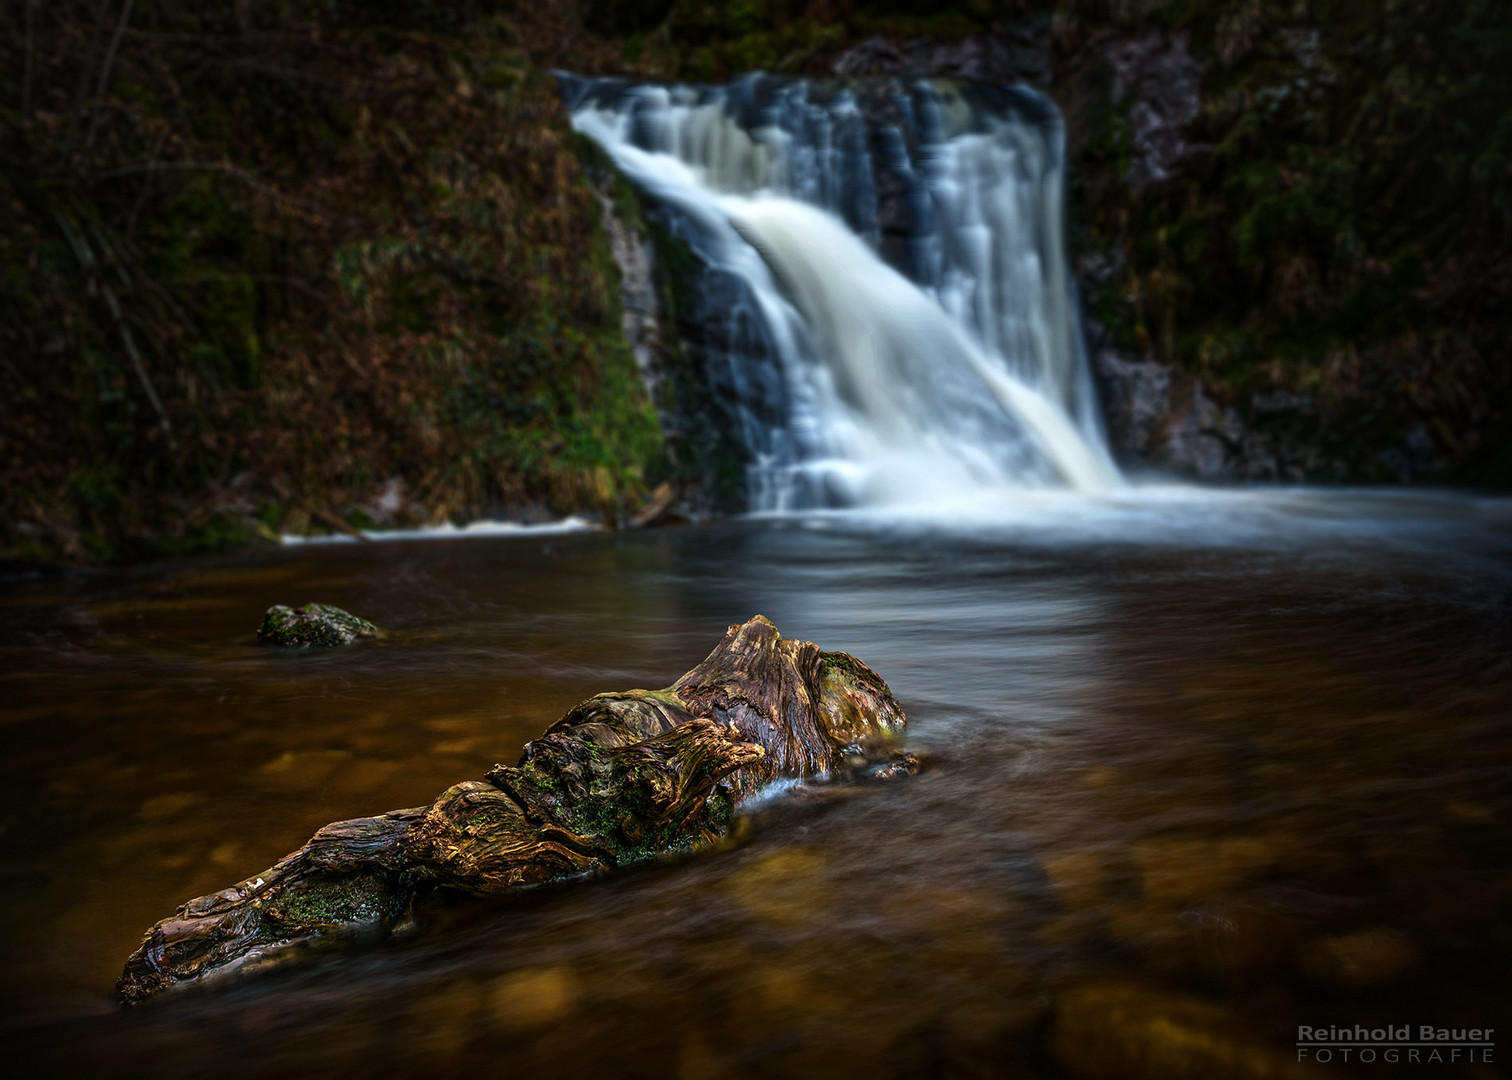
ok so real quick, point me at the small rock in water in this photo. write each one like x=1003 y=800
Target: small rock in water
x=900 y=764
x=313 y=624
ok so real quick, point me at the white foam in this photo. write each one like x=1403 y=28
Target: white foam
x=452 y=532
x=1174 y=515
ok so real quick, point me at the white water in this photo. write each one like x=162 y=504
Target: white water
x=967 y=381
x=449 y=532
x=899 y=360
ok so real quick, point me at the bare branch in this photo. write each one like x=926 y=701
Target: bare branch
x=82 y=254
x=136 y=362
x=84 y=70
x=110 y=55
x=26 y=79
x=114 y=256
x=89 y=265
x=141 y=200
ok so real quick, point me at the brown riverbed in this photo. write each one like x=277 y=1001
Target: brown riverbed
x=1200 y=774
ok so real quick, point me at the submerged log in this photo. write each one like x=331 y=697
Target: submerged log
x=619 y=779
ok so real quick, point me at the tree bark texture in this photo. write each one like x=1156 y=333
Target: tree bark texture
x=621 y=778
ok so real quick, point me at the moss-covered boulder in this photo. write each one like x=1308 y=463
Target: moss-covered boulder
x=620 y=779
x=324 y=625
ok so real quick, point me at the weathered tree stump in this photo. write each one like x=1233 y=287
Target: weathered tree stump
x=621 y=778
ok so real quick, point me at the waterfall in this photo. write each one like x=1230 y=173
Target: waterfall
x=883 y=291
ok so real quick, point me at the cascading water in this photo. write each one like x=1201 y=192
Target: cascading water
x=955 y=371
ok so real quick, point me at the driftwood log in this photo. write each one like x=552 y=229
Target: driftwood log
x=621 y=778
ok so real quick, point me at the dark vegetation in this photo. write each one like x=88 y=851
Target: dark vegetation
x=271 y=262
x=1332 y=256
x=315 y=264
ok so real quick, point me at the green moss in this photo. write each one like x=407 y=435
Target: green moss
x=343 y=900
x=845 y=664
x=614 y=799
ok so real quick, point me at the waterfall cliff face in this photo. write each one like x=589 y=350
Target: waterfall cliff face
x=882 y=296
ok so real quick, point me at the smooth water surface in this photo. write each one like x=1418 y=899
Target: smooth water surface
x=1235 y=757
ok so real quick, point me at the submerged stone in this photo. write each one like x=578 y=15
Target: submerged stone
x=1375 y=954
x=1131 y=1031
x=324 y=625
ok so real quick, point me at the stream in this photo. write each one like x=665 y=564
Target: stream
x=1198 y=760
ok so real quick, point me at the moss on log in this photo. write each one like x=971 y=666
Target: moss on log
x=621 y=778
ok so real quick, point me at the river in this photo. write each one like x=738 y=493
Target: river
x=1198 y=761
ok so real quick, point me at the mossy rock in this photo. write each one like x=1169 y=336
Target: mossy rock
x=314 y=624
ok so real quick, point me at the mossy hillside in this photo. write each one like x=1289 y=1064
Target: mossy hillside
x=1332 y=260
x=297 y=259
